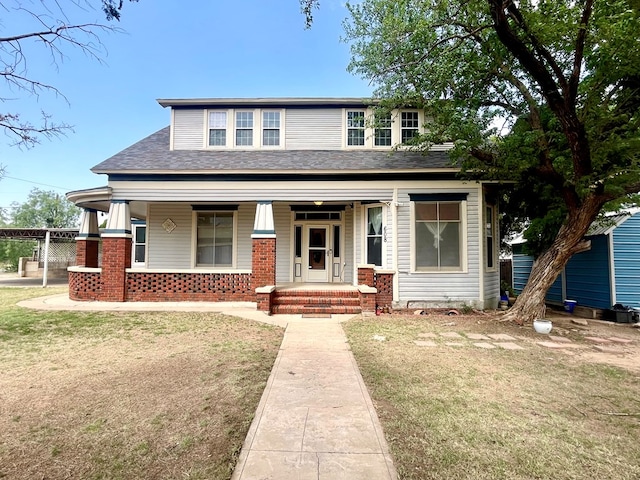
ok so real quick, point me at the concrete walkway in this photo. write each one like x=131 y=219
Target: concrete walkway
x=315 y=419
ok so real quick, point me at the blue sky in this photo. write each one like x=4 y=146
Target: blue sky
x=214 y=48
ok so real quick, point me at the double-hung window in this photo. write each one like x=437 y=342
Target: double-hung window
x=217 y=129
x=244 y=129
x=355 y=127
x=139 y=243
x=382 y=130
x=270 y=129
x=374 y=235
x=438 y=235
x=409 y=126
x=214 y=239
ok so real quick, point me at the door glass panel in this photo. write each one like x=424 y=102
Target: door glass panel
x=317 y=246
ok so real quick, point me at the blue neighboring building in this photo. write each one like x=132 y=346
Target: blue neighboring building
x=607 y=274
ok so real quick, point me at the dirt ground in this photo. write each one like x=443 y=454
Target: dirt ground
x=138 y=404
x=143 y=405
x=599 y=341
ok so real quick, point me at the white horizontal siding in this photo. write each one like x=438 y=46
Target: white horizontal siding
x=211 y=193
x=317 y=129
x=246 y=217
x=282 y=223
x=169 y=250
x=438 y=288
x=348 y=259
x=188 y=129
x=174 y=250
x=491 y=289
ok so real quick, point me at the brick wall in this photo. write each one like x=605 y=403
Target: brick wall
x=85 y=286
x=87 y=253
x=263 y=262
x=176 y=287
x=116 y=257
x=383 y=282
x=365 y=276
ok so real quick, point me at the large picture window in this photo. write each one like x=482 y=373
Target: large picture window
x=438 y=234
x=214 y=246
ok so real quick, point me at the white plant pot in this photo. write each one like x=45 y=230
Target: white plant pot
x=542 y=326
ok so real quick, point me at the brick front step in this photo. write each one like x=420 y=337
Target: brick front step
x=296 y=309
x=314 y=302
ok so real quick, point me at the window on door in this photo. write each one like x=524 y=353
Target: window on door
x=374 y=235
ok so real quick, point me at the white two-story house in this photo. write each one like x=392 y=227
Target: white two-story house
x=261 y=199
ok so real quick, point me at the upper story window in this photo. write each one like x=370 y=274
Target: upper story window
x=382 y=130
x=244 y=129
x=217 y=129
x=355 y=127
x=270 y=128
x=409 y=126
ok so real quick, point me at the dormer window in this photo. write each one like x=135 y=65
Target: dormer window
x=355 y=128
x=382 y=130
x=244 y=129
x=270 y=129
x=217 y=129
x=409 y=126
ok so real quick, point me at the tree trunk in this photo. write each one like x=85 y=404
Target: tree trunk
x=530 y=304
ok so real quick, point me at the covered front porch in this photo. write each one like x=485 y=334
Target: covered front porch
x=209 y=252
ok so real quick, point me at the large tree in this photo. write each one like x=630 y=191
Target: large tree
x=539 y=93
x=44 y=209
x=56 y=28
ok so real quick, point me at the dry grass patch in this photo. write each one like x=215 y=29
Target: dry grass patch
x=127 y=395
x=469 y=413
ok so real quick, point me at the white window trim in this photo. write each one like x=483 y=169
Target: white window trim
x=464 y=264
x=230 y=123
x=257 y=129
x=281 y=146
x=369 y=128
x=253 y=129
x=142 y=264
x=364 y=243
x=194 y=241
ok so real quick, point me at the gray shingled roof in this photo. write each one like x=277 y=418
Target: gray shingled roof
x=152 y=154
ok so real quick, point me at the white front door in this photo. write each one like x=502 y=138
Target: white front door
x=317 y=253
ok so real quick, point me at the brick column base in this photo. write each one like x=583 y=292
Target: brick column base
x=116 y=258
x=365 y=275
x=263 y=262
x=87 y=253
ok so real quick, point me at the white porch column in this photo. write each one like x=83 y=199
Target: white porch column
x=88 y=225
x=263 y=225
x=119 y=221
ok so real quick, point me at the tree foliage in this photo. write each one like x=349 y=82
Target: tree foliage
x=57 y=29
x=541 y=95
x=45 y=209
